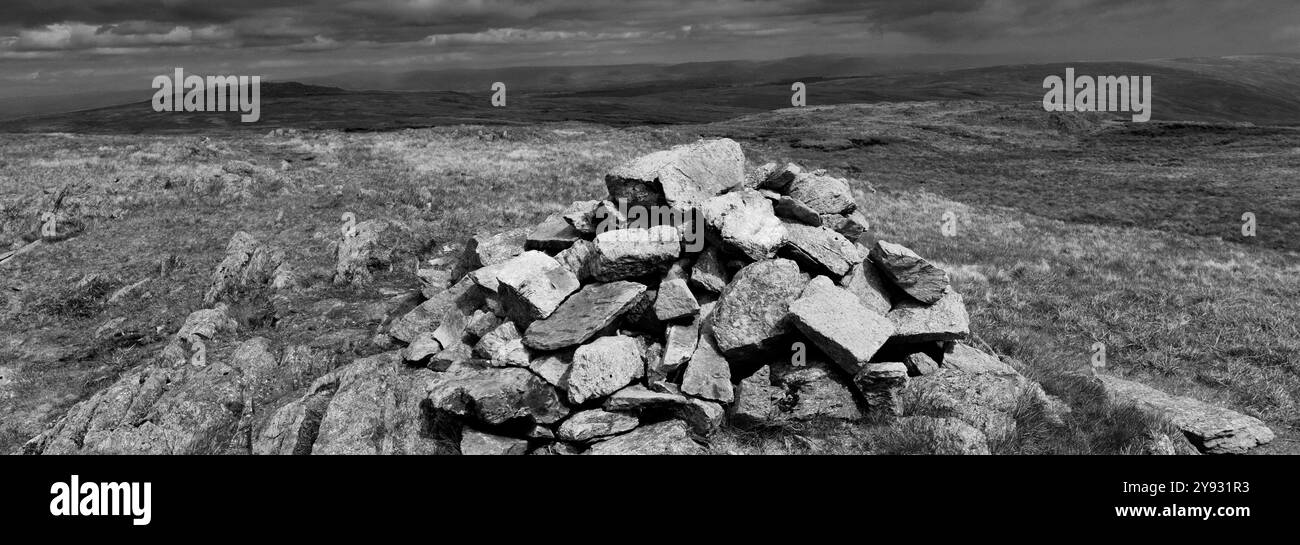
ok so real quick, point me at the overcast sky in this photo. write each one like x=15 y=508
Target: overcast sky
x=65 y=46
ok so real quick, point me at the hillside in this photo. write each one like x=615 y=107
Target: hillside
x=1257 y=90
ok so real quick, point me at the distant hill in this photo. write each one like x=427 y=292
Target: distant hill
x=1263 y=90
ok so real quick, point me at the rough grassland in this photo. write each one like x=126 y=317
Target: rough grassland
x=1049 y=261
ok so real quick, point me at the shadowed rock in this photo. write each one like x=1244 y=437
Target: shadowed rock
x=820 y=250
x=495 y=396
x=914 y=275
x=553 y=234
x=477 y=443
x=881 y=386
x=708 y=273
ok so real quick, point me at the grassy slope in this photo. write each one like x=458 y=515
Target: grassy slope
x=1183 y=311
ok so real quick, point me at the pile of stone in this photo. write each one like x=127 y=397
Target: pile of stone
x=565 y=337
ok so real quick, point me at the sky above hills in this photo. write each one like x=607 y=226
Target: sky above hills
x=50 y=47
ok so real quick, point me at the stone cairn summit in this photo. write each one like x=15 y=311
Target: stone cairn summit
x=565 y=337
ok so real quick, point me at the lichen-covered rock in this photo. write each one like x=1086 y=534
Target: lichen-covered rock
x=820 y=250
x=945 y=320
x=496 y=396
x=604 y=366
x=665 y=438
x=632 y=253
x=707 y=374
x=532 y=286
x=683 y=177
x=373 y=246
x=751 y=315
x=477 y=443
x=247 y=263
x=840 y=326
x=1211 y=429
x=911 y=273
x=583 y=315
x=745 y=223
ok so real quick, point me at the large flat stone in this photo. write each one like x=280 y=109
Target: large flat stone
x=553 y=234
x=632 y=253
x=865 y=282
x=820 y=249
x=583 y=315
x=595 y=424
x=1212 y=429
x=665 y=438
x=605 y=366
x=496 y=396
x=707 y=374
x=465 y=295
x=840 y=326
x=945 y=320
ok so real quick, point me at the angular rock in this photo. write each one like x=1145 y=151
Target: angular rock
x=759 y=175
x=496 y=396
x=579 y=259
x=814 y=391
x=665 y=438
x=583 y=315
x=605 y=366
x=945 y=320
x=824 y=194
x=778 y=179
x=208 y=323
x=451 y=355
x=580 y=216
x=512 y=354
x=865 y=282
x=744 y=222
x=532 y=286
x=840 y=326
x=553 y=368
x=707 y=374
x=595 y=424
x=553 y=234
x=675 y=300
x=820 y=250
x=919 y=364
x=881 y=386
x=422 y=347
x=480 y=324
x=794 y=209
x=852 y=225
x=758 y=400
x=683 y=177
x=912 y=274
x=1211 y=429
x=632 y=253
x=425 y=318
x=495 y=341
x=680 y=345
x=750 y=316
x=708 y=274
x=704 y=417
x=486 y=250
x=374 y=246
x=477 y=443
x=639 y=398
x=976 y=388
x=247 y=263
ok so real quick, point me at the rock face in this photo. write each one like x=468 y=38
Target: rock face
x=744 y=222
x=683 y=177
x=373 y=246
x=670 y=438
x=1212 y=429
x=604 y=366
x=584 y=314
x=532 y=286
x=247 y=263
x=840 y=326
x=912 y=274
x=751 y=314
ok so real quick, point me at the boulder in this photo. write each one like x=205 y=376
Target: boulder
x=840 y=326
x=743 y=222
x=579 y=259
x=553 y=234
x=813 y=391
x=683 y=177
x=945 y=320
x=532 y=286
x=750 y=316
x=823 y=194
x=1211 y=429
x=477 y=443
x=633 y=253
x=495 y=396
x=374 y=245
x=604 y=366
x=375 y=409
x=583 y=315
x=912 y=274
x=595 y=424
x=665 y=438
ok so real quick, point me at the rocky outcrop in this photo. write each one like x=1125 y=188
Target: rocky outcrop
x=1211 y=429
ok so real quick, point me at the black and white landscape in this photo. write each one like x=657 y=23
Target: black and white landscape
x=649 y=227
